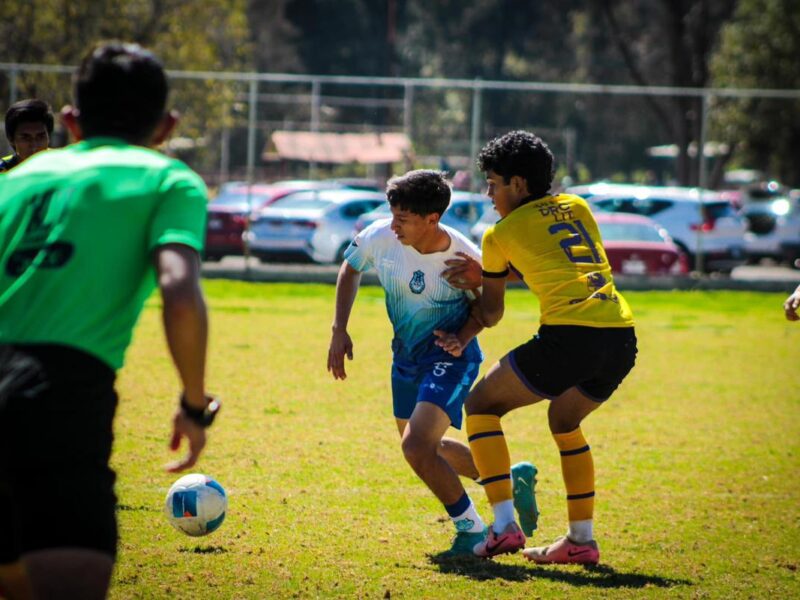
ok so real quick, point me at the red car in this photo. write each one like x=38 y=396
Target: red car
x=229 y=211
x=637 y=245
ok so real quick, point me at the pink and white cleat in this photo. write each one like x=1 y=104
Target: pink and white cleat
x=564 y=552
x=509 y=541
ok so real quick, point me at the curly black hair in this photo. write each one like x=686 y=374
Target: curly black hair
x=422 y=192
x=520 y=153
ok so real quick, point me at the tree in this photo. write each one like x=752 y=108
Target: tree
x=211 y=35
x=670 y=42
x=759 y=49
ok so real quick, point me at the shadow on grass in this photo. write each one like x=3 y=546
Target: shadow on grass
x=126 y=507
x=205 y=550
x=599 y=576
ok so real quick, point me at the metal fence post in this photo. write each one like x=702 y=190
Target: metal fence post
x=702 y=180
x=408 y=110
x=316 y=103
x=474 y=135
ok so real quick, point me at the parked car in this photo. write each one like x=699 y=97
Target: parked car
x=698 y=221
x=489 y=217
x=464 y=211
x=637 y=245
x=788 y=231
x=311 y=225
x=229 y=211
x=765 y=208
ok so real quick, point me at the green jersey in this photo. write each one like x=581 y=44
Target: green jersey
x=78 y=227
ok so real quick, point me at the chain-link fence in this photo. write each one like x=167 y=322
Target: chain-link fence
x=596 y=131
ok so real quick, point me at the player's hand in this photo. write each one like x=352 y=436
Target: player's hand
x=184 y=427
x=791 y=305
x=341 y=346
x=449 y=342
x=463 y=273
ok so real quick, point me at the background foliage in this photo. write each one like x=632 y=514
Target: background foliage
x=690 y=43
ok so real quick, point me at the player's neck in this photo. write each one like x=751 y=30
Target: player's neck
x=437 y=241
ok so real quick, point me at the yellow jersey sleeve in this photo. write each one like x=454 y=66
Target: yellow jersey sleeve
x=495 y=264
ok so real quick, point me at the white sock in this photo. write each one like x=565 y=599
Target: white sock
x=581 y=532
x=469 y=520
x=503 y=515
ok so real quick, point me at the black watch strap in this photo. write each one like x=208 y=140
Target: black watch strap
x=202 y=416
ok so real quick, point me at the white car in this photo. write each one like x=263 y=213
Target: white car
x=310 y=225
x=699 y=221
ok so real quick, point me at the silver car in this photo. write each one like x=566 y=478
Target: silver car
x=698 y=221
x=309 y=225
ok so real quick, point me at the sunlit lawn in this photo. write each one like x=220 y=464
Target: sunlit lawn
x=697 y=460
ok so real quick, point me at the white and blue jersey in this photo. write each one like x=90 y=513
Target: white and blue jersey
x=418 y=298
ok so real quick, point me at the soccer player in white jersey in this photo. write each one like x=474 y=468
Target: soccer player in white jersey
x=435 y=353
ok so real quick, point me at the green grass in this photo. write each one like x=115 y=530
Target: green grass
x=696 y=456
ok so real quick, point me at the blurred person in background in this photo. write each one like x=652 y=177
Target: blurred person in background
x=29 y=125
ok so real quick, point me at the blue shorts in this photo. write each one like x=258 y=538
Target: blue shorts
x=444 y=383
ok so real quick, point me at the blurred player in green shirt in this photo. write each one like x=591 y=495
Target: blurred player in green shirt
x=86 y=233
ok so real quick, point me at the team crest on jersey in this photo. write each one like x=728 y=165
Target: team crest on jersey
x=417 y=283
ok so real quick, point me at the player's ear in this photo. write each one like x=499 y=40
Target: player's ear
x=519 y=185
x=69 y=117
x=165 y=127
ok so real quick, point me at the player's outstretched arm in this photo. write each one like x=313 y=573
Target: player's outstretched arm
x=792 y=304
x=454 y=343
x=186 y=328
x=347 y=283
x=492 y=301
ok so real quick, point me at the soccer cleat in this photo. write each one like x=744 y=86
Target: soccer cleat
x=564 y=552
x=523 y=477
x=464 y=543
x=509 y=541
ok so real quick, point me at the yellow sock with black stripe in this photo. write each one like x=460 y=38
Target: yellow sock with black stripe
x=490 y=453
x=577 y=467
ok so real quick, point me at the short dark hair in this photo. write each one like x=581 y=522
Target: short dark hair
x=28 y=111
x=121 y=91
x=520 y=153
x=422 y=192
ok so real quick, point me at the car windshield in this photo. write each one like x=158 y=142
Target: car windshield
x=301 y=203
x=239 y=199
x=629 y=232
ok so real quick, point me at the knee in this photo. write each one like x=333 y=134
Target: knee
x=561 y=421
x=479 y=401
x=418 y=452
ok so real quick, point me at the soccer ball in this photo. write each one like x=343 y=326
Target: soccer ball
x=196 y=505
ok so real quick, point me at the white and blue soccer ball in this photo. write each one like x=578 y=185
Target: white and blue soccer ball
x=196 y=505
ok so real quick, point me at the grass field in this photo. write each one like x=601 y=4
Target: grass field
x=697 y=459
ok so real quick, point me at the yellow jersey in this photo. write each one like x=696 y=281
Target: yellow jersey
x=554 y=245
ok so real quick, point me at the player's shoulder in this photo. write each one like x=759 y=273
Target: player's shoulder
x=461 y=243
x=380 y=230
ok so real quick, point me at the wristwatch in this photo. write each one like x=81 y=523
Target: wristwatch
x=201 y=416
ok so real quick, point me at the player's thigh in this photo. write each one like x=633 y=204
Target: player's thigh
x=499 y=391
x=567 y=411
x=446 y=384
x=401 y=425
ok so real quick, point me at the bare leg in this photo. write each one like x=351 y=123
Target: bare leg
x=421 y=442
x=568 y=411
x=456 y=453
x=69 y=573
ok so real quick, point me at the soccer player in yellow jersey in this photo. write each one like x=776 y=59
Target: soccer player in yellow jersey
x=583 y=350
